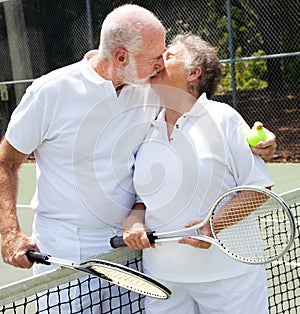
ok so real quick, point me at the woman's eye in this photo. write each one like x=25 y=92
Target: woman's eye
x=169 y=56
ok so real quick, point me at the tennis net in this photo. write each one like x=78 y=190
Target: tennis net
x=69 y=291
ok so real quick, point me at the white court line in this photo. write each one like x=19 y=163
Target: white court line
x=23 y=206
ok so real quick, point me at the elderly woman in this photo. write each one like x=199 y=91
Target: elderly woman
x=194 y=151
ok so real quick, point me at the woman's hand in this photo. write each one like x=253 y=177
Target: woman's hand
x=266 y=148
x=204 y=230
x=136 y=237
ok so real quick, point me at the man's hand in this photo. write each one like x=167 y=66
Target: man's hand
x=14 y=247
x=266 y=148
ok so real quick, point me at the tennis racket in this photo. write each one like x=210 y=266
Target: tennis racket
x=250 y=224
x=117 y=274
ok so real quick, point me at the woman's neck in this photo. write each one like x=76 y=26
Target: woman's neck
x=177 y=106
x=172 y=116
x=175 y=109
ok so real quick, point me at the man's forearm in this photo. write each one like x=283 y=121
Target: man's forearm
x=14 y=242
x=10 y=163
x=8 y=195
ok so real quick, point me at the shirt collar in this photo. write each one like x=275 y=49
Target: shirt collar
x=161 y=119
x=88 y=72
x=199 y=107
x=197 y=110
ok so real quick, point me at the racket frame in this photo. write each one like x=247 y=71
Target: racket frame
x=154 y=236
x=89 y=266
x=215 y=241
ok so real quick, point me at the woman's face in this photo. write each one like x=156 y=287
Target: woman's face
x=174 y=74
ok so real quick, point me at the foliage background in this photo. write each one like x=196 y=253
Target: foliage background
x=257 y=41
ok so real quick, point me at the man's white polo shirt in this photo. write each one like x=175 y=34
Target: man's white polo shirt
x=85 y=139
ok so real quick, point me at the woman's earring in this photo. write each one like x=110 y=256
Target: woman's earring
x=192 y=88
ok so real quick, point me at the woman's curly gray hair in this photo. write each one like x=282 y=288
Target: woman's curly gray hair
x=201 y=54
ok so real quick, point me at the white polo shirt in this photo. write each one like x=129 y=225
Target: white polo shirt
x=85 y=139
x=179 y=180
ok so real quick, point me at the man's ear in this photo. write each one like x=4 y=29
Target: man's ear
x=195 y=74
x=121 y=57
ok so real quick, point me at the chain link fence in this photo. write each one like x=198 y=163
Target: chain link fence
x=258 y=43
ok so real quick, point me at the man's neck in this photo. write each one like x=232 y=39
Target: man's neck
x=106 y=71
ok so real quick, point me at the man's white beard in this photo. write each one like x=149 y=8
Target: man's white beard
x=129 y=74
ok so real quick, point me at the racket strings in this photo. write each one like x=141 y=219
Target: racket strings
x=129 y=281
x=252 y=225
x=235 y=207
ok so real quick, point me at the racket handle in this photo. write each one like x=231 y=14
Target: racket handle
x=117 y=241
x=38 y=257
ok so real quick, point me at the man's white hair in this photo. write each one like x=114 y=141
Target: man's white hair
x=124 y=27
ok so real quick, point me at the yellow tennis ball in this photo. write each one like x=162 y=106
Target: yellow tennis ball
x=254 y=136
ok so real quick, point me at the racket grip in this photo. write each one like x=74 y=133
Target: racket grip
x=38 y=257
x=117 y=241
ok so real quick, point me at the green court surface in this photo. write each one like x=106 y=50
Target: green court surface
x=285 y=176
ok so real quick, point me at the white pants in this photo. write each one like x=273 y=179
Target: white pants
x=67 y=241
x=245 y=294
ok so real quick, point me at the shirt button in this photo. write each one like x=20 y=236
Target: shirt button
x=177 y=126
x=185 y=116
